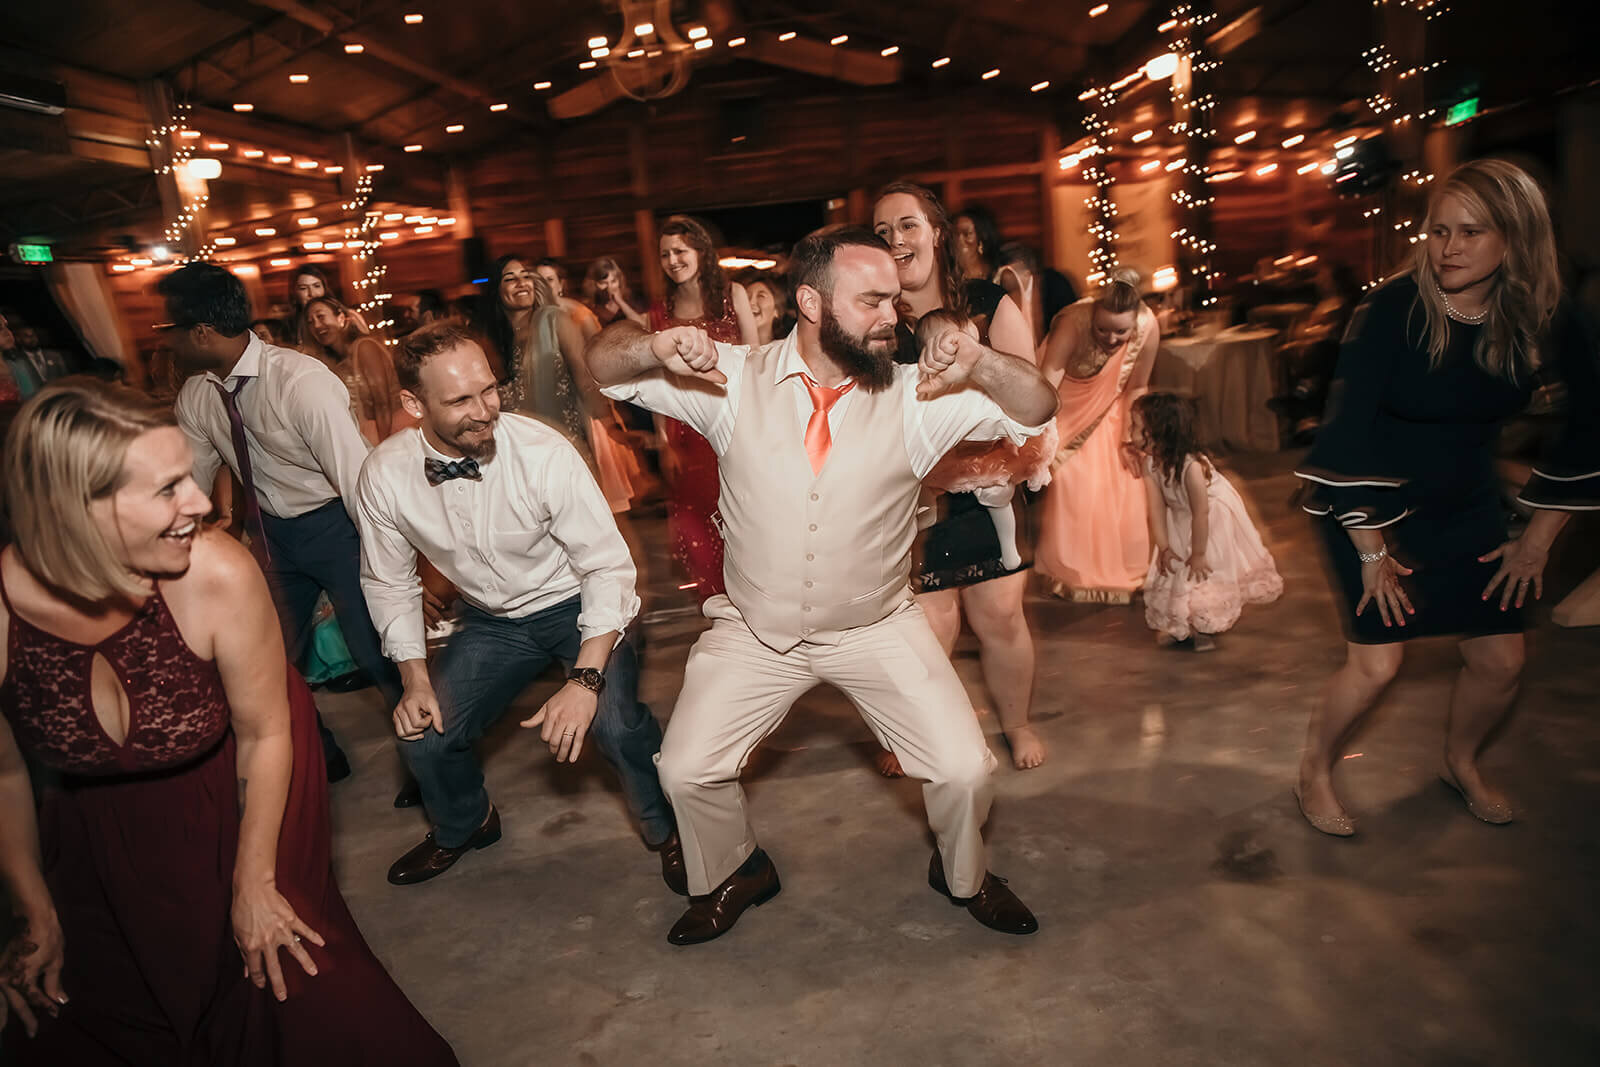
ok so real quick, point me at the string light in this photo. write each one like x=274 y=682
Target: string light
x=1193 y=110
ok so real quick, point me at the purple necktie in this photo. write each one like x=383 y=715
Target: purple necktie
x=241 y=449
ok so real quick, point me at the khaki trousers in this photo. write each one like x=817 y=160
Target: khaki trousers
x=736 y=691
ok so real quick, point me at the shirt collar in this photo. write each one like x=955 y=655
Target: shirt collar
x=790 y=362
x=249 y=365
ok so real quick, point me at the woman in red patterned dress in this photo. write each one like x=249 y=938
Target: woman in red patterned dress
x=698 y=294
x=183 y=844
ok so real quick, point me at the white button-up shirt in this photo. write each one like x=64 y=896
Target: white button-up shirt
x=535 y=531
x=931 y=427
x=305 y=446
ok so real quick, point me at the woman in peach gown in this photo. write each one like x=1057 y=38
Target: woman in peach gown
x=1094 y=542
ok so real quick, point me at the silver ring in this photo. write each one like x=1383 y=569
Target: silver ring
x=297 y=939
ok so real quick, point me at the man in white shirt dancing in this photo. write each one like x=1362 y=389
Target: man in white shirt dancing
x=280 y=419
x=506 y=509
x=822 y=442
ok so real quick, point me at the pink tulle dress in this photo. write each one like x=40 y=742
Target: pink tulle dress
x=1242 y=571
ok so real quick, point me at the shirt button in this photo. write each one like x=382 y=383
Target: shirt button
x=813 y=527
x=467 y=523
x=805 y=631
x=810 y=557
x=807 y=607
x=810 y=583
x=815 y=497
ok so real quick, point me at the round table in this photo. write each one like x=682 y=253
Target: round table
x=1230 y=375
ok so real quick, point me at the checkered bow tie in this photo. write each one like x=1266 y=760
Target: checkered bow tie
x=439 y=471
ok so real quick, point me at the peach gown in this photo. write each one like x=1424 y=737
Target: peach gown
x=1094 y=539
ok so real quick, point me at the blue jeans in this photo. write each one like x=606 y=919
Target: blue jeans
x=319 y=552
x=483 y=668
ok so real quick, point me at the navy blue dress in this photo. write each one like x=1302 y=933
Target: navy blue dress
x=1410 y=449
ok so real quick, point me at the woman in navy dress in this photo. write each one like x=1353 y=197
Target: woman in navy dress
x=176 y=893
x=1402 y=477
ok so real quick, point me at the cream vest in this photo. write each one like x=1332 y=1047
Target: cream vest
x=809 y=556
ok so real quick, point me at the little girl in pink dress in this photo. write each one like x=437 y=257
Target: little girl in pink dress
x=1208 y=560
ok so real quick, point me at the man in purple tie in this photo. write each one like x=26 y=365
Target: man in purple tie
x=281 y=420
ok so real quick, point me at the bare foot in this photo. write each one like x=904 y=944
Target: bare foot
x=1321 y=807
x=889 y=764
x=1027 y=751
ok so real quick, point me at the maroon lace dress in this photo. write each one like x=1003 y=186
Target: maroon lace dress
x=139 y=841
x=692 y=499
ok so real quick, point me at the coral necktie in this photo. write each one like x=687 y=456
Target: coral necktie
x=819 y=439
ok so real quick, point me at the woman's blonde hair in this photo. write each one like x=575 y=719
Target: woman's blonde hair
x=66 y=449
x=1524 y=292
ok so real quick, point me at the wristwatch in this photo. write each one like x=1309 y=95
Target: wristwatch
x=590 y=678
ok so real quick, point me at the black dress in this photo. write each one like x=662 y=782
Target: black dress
x=1410 y=449
x=961 y=547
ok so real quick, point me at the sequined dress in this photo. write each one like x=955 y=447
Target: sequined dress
x=692 y=492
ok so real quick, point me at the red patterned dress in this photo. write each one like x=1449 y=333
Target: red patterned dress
x=692 y=494
x=139 y=840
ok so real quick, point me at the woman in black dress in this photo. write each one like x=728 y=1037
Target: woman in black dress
x=958 y=558
x=1402 y=476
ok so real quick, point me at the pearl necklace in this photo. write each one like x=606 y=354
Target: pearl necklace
x=1470 y=320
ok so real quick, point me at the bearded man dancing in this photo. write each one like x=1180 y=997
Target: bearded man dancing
x=823 y=441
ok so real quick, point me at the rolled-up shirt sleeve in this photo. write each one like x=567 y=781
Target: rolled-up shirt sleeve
x=1349 y=473
x=934 y=427
x=207 y=460
x=389 y=572
x=580 y=519
x=704 y=406
x=1567 y=474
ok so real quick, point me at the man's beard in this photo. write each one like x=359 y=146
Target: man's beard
x=855 y=356
x=482 y=451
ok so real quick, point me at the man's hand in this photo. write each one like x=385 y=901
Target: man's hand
x=566 y=718
x=687 y=351
x=418 y=709
x=433 y=609
x=947 y=361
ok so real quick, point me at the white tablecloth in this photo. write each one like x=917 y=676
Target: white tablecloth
x=1230 y=375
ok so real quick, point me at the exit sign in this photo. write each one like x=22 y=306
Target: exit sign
x=1461 y=112
x=31 y=253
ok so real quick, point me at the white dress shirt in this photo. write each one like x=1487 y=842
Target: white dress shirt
x=305 y=446
x=532 y=533
x=931 y=427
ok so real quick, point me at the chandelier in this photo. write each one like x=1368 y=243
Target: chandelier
x=650 y=60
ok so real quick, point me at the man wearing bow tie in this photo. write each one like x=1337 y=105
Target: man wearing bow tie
x=507 y=510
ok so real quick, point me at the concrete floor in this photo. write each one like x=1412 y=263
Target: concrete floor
x=1189 y=915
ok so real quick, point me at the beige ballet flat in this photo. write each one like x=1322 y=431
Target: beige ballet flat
x=1495 y=814
x=1332 y=825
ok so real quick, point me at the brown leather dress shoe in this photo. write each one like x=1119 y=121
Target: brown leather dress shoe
x=429 y=860
x=714 y=914
x=994 y=905
x=672 y=870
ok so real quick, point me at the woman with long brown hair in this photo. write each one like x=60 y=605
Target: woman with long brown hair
x=698 y=294
x=1402 y=477
x=331 y=332
x=176 y=889
x=960 y=560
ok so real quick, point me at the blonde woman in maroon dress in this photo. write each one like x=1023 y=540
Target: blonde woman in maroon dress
x=176 y=892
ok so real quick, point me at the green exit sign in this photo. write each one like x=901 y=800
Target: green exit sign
x=31 y=253
x=1461 y=112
